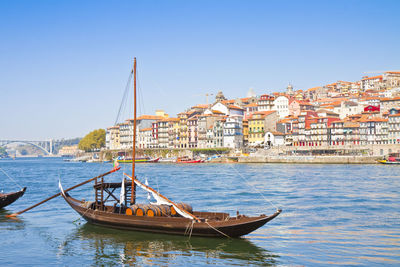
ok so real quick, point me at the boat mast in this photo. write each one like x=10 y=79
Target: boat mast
x=133 y=195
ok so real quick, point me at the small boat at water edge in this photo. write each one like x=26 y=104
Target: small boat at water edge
x=140 y=160
x=8 y=198
x=188 y=160
x=167 y=160
x=384 y=161
x=393 y=158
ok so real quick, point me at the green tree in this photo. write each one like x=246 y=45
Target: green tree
x=3 y=152
x=93 y=140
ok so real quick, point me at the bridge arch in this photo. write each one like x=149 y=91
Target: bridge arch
x=5 y=143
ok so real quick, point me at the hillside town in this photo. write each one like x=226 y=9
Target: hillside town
x=337 y=116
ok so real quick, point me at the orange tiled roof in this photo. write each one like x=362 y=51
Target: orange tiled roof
x=201 y=106
x=113 y=127
x=231 y=101
x=304 y=103
x=235 y=107
x=372 y=78
x=371 y=98
x=251 y=105
x=145 y=129
x=314 y=88
x=376 y=119
x=148 y=117
x=393 y=72
x=344 y=82
x=169 y=119
x=284 y=120
x=390 y=99
x=262 y=113
x=277 y=133
x=352 y=125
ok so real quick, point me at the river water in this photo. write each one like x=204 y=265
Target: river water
x=345 y=215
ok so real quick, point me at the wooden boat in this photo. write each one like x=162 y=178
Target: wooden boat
x=210 y=224
x=393 y=158
x=167 y=160
x=162 y=216
x=9 y=198
x=140 y=160
x=188 y=160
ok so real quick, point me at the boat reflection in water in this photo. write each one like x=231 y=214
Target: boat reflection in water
x=9 y=224
x=124 y=247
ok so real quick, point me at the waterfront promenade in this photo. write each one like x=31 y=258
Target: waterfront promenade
x=368 y=154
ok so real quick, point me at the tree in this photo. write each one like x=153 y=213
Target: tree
x=3 y=152
x=93 y=140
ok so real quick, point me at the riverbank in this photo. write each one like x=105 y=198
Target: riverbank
x=310 y=159
x=368 y=154
x=263 y=157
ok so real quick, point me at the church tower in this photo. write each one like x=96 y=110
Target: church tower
x=220 y=97
x=289 y=89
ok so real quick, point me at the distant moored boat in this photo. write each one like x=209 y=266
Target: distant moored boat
x=140 y=160
x=394 y=158
x=9 y=198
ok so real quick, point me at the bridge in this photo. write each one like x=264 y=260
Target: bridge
x=45 y=146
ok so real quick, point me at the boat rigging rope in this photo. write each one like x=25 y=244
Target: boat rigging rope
x=124 y=97
x=11 y=178
x=250 y=185
x=218 y=230
x=142 y=109
x=189 y=229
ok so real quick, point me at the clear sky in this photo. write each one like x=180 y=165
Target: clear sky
x=64 y=64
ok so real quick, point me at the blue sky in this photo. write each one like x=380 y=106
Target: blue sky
x=64 y=64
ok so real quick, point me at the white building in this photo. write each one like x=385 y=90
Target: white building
x=281 y=105
x=126 y=129
x=368 y=83
x=274 y=139
x=145 y=138
x=215 y=134
x=113 y=138
x=265 y=103
x=233 y=132
x=348 y=108
x=218 y=107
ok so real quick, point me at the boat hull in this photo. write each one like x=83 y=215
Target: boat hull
x=139 y=160
x=228 y=227
x=388 y=162
x=9 y=198
x=191 y=161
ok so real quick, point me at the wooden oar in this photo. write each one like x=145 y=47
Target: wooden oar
x=56 y=195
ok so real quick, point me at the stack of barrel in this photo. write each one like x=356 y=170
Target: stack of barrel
x=157 y=210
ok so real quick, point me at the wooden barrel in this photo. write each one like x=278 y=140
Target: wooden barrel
x=181 y=206
x=186 y=207
x=141 y=211
x=153 y=210
x=136 y=209
x=129 y=211
x=165 y=210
